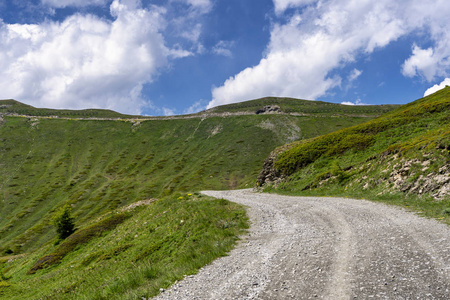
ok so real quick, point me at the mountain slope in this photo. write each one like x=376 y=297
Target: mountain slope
x=99 y=165
x=405 y=151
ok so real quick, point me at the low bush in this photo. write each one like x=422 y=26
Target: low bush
x=64 y=223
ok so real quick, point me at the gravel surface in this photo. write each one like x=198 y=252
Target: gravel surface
x=325 y=248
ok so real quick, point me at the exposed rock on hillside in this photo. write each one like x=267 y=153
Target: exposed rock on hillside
x=408 y=178
x=269 y=109
x=395 y=173
x=269 y=174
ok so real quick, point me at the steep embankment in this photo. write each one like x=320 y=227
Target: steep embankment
x=405 y=152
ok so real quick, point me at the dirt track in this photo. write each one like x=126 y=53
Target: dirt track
x=326 y=248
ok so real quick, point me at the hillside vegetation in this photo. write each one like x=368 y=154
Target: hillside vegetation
x=53 y=158
x=128 y=253
x=402 y=157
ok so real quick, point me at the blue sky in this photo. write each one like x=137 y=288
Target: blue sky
x=162 y=57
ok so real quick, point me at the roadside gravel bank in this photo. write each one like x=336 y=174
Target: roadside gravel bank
x=325 y=248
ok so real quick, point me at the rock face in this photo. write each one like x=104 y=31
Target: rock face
x=268 y=173
x=269 y=109
x=435 y=183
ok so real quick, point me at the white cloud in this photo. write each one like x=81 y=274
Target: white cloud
x=194 y=108
x=357 y=102
x=168 y=111
x=422 y=61
x=223 y=48
x=193 y=34
x=354 y=74
x=205 y=5
x=437 y=87
x=188 y=24
x=85 y=61
x=282 y=5
x=329 y=34
x=76 y=3
x=202 y=6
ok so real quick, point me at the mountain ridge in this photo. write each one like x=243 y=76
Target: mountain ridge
x=288 y=106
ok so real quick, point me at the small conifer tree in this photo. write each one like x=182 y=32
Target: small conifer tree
x=64 y=223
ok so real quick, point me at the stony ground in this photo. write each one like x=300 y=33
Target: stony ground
x=326 y=248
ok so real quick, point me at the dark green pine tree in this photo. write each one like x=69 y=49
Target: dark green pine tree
x=64 y=222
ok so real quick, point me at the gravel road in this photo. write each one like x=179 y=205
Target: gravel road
x=325 y=248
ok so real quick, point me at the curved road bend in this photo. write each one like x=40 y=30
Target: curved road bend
x=325 y=248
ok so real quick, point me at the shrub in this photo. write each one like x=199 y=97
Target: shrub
x=64 y=223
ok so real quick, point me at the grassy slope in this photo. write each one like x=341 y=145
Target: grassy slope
x=100 y=166
x=155 y=246
x=412 y=142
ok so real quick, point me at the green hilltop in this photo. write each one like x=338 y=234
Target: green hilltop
x=401 y=157
x=303 y=107
x=131 y=182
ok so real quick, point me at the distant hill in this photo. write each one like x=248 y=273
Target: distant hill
x=13 y=107
x=403 y=154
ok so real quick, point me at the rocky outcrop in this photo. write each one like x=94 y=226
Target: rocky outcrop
x=408 y=179
x=269 y=109
x=268 y=173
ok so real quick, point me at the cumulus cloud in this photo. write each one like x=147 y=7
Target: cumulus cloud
x=437 y=87
x=422 y=61
x=329 y=34
x=75 y=3
x=85 y=61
